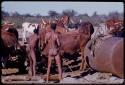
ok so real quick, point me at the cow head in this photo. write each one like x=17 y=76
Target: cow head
x=86 y=28
x=44 y=23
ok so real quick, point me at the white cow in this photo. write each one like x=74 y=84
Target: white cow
x=101 y=29
x=28 y=28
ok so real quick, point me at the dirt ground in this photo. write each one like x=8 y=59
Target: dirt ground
x=68 y=77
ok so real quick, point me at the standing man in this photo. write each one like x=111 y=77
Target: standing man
x=51 y=39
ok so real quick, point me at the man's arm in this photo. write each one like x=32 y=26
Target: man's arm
x=46 y=38
x=58 y=42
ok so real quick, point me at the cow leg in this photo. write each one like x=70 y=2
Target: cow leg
x=89 y=46
x=30 y=73
x=85 y=63
x=82 y=59
x=33 y=62
x=81 y=66
x=58 y=62
x=24 y=36
x=30 y=70
x=48 y=68
x=30 y=67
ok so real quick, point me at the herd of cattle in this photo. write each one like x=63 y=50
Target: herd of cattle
x=100 y=49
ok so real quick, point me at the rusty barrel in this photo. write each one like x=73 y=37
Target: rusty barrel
x=108 y=56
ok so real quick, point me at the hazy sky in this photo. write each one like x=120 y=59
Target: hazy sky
x=42 y=7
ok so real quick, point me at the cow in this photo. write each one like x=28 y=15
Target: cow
x=11 y=47
x=9 y=27
x=9 y=39
x=10 y=44
x=62 y=22
x=44 y=23
x=30 y=28
x=109 y=28
x=112 y=23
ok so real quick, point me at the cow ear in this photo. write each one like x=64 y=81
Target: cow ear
x=43 y=21
x=62 y=18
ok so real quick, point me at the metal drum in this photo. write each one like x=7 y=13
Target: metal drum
x=106 y=55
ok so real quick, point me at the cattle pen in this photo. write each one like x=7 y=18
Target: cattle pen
x=71 y=73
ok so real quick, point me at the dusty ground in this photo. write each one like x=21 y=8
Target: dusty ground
x=68 y=77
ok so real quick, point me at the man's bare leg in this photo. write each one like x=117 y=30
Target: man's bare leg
x=58 y=62
x=48 y=68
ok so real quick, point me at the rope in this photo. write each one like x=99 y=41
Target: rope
x=68 y=66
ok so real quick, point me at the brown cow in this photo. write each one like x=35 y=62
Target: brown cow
x=62 y=22
x=44 y=23
x=9 y=27
x=10 y=44
x=115 y=27
x=113 y=23
x=9 y=39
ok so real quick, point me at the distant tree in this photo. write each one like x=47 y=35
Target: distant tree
x=27 y=15
x=83 y=15
x=69 y=12
x=96 y=19
x=121 y=15
x=103 y=18
x=95 y=14
x=86 y=15
x=15 y=14
x=53 y=13
x=114 y=15
x=4 y=14
x=38 y=15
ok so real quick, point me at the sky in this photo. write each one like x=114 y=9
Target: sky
x=42 y=7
